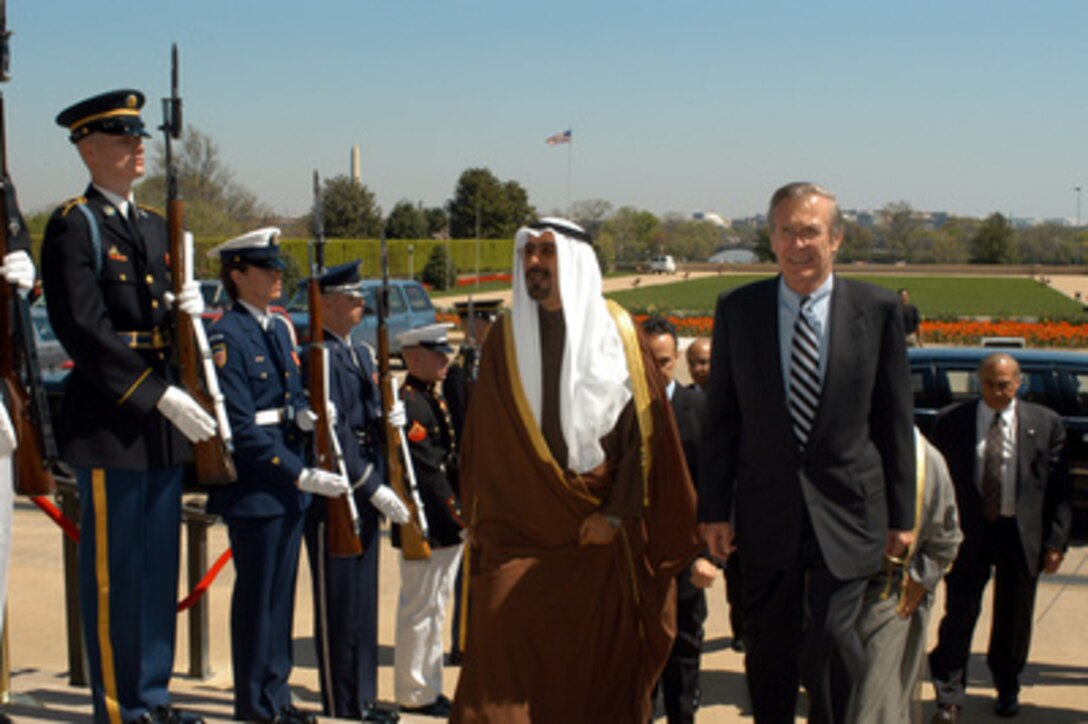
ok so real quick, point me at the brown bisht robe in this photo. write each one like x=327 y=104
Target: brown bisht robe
x=559 y=632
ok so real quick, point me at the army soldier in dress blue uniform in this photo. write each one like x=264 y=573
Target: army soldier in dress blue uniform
x=259 y=375
x=346 y=588
x=125 y=425
x=426 y=585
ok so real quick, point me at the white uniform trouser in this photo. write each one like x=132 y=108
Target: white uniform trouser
x=7 y=505
x=425 y=590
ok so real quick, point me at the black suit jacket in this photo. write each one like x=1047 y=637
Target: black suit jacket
x=1043 y=512
x=856 y=476
x=687 y=407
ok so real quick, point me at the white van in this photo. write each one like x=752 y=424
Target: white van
x=662 y=264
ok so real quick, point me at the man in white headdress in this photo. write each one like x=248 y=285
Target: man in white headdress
x=579 y=506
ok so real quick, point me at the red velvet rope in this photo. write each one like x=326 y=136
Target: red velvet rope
x=72 y=531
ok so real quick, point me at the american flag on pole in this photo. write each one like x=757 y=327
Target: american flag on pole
x=564 y=137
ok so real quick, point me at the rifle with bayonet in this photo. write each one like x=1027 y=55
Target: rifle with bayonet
x=212 y=457
x=23 y=392
x=413 y=534
x=341 y=515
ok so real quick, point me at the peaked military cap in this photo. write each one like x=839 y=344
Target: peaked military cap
x=257 y=248
x=116 y=113
x=485 y=309
x=432 y=336
x=342 y=279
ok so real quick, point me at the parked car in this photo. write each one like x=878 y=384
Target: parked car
x=409 y=307
x=662 y=264
x=1055 y=378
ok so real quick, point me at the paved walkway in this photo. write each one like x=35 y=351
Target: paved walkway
x=1055 y=685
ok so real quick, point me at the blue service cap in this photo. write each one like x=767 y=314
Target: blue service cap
x=432 y=336
x=257 y=248
x=116 y=113
x=341 y=279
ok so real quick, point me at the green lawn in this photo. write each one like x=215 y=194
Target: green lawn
x=935 y=296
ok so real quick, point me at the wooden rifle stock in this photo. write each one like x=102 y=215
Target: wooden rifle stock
x=340 y=524
x=413 y=544
x=212 y=457
x=22 y=393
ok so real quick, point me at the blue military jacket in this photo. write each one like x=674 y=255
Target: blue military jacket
x=259 y=372
x=353 y=388
x=106 y=306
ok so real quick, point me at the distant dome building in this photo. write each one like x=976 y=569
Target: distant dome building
x=734 y=256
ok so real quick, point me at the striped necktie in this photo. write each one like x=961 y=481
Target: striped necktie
x=804 y=391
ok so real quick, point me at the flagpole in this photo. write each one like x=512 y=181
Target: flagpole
x=570 y=172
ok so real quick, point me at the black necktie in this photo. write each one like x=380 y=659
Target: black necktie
x=804 y=390
x=991 y=470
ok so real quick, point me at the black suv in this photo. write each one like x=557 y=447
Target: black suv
x=1058 y=379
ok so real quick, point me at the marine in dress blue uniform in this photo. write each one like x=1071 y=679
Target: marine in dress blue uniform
x=345 y=589
x=106 y=273
x=264 y=511
x=426 y=585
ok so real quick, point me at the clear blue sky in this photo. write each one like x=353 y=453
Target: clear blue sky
x=969 y=106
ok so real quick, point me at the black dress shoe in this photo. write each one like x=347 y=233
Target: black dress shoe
x=440 y=707
x=737 y=645
x=180 y=716
x=946 y=714
x=1007 y=706
x=291 y=715
x=163 y=714
x=373 y=712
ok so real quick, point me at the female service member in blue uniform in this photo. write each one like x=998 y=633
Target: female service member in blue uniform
x=264 y=511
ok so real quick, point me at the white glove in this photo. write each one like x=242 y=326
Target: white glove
x=8 y=443
x=306 y=420
x=388 y=504
x=191 y=301
x=186 y=414
x=330 y=411
x=18 y=270
x=397 y=416
x=322 y=482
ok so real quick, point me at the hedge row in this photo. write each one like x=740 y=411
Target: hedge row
x=495 y=255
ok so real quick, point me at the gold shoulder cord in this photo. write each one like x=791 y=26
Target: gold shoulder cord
x=640 y=389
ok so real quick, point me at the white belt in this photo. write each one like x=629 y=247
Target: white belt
x=273 y=416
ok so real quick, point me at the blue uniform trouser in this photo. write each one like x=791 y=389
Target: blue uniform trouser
x=128 y=585
x=262 y=610
x=345 y=618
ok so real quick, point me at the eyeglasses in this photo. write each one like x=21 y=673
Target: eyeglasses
x=543 y=250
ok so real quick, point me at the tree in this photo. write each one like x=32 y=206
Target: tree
x=993 y=244
x=440 y=271
x=214 y=203
x=900 y=228
x=857 y=243
x=437 y=222
x=632 y=232
x=406 y=221
x=350 y=209
x=692 y=239
x=761 y=245
x=483 y=206
x=590 y=214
